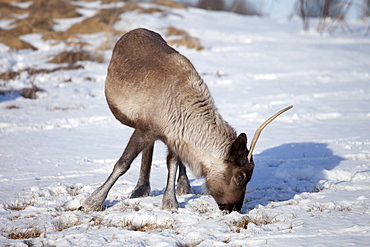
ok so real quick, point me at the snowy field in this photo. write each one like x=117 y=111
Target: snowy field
x=311 y=184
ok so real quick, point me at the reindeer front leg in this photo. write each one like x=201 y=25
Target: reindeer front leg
x=138 y=141
x=169 y=201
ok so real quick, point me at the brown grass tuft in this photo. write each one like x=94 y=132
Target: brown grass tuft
x=41 y=18
x=110 y=1
x=243 y=222
x=183 y=39
x=151 y=11
x=9 y=75
x=31 y=232
x=106 y=18
x=259 y=220
x=11 y=107
x=20 y=205
x=173 y=31
x=62 y=224
x=31 y=92
x=41 y=15
x=31 y=24
x=52 y=35
x=17 y=44
x=171 y=4
x=14 y=1
x=90 y=25
x=7 y=11
x=53 y=9
x=100 y=22
x=74 y=56
x=144 y=226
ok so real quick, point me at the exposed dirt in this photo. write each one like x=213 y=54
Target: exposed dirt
x=39 y=17
x=182 y=38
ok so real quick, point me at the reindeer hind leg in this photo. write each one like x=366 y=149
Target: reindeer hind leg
x=142 y=187
x=183 y=184
x=169 y=201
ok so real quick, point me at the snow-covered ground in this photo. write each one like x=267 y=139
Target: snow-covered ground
x=311 y=184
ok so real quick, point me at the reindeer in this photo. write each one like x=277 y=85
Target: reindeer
x=157 y=91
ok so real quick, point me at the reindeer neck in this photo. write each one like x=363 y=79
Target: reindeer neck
x=203 y=137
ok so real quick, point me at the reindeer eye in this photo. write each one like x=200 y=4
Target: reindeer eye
x=241 y=179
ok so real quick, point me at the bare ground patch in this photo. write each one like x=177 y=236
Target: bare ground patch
x=182 y=38
x=41 y=15
x=9 y=75
x=71 y=57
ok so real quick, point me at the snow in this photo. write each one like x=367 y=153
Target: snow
x=311 y=184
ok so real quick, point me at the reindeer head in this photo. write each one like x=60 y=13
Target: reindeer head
x=229 y=189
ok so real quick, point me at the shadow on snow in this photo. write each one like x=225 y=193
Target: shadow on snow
x=279 y=174
x=284 y=171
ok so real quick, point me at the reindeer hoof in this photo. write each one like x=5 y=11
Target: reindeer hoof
x=183 y=187
x=89 y=205
x=85 y=208
x=141 y=191
x=170 y=205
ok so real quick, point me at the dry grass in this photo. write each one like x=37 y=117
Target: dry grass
x=156 y=225
x=65 y=36
x=53 y=9
x=144 y=226
x=32 y=24
x=97 y=221
x=171 y=4
x=130 y=207
x=110 y=1
x=40 y=19
x=203 y=208
x=41 y=15
x=61 y=225
x=9 y=75
x=31 y=92
x=11 y=107
x=104 y=20
x=259 y=220
x=20 y=205
x=17 y=233
x=72 y=57
x=182 y=38
x=74 y=191
x=101 y=22
x=168 y=3
x=8 y=11
x=17 y=44
x=7 y=37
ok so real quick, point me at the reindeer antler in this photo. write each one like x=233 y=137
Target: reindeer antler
x=259 y=130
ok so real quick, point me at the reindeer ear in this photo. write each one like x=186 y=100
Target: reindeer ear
x=239 y=147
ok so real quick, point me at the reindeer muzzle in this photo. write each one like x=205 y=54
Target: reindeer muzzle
x=231 y=207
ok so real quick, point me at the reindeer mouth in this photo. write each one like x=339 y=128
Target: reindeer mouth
x=230 y=207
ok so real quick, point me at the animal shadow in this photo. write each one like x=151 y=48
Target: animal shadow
x=7 y=95
x=284 y=171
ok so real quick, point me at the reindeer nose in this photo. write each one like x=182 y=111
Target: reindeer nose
x=231 y=207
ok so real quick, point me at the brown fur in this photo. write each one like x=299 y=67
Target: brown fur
x=157 y=91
